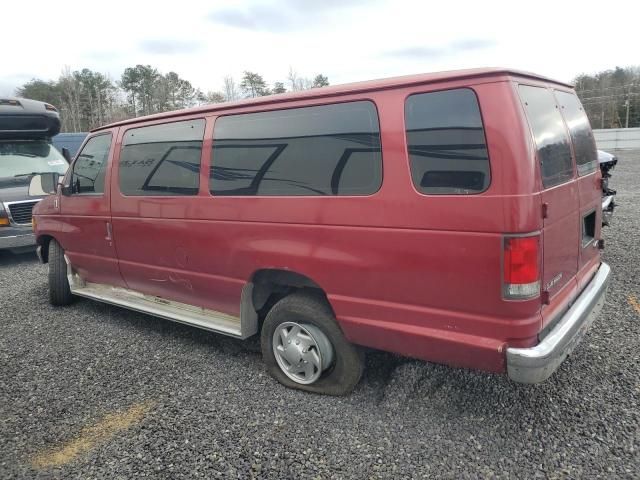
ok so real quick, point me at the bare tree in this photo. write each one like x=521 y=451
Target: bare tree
x=215 y=97
x=611 y=96
x=294 y=80
x=70 y=98
x=297 y=83
x=231 y=92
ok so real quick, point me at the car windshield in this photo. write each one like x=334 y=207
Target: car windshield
x=22 y=158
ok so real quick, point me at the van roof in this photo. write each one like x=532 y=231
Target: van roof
x=344 y=89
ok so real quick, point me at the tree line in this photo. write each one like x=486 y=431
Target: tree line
x=87 y=99
x=611 y=98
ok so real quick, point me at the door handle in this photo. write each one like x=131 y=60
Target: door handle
x=108 y=238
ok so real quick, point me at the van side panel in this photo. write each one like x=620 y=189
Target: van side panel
x=405 y=272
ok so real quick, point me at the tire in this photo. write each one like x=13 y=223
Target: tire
x=313 y=314
x=59 y=291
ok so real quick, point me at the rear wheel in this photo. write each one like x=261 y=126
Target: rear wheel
x=304 y=348
x=59 y=291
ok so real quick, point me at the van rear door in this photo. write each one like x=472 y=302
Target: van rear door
x=560 y=195
x=589 y=186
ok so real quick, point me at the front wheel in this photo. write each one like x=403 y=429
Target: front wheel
x=59 y=291
x=304 y=348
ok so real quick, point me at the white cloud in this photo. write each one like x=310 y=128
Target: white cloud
x=346 y=40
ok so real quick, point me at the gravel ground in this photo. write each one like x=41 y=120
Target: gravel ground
x=94 y=391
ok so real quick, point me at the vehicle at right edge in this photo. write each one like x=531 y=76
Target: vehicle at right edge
x=453 y=217
x=607 y=162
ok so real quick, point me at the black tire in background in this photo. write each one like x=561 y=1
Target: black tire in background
x=59 y=291
x=303 y=308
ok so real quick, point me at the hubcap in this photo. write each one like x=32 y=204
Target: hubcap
x=302 y=351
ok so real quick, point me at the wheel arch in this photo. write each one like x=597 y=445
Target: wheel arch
x=268 y=285
x=43 y=242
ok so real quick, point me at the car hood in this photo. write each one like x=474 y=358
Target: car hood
x=604 y=157
x=12 y=191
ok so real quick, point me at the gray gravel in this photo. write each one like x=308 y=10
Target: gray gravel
x=213 y=412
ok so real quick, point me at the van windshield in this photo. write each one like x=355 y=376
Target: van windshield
x=22 y=158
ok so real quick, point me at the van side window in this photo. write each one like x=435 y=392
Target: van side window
x=90 y=166
x=446 y=143
x=549 y=134
x=162 y=159
x=584 y=144
x=322 y=150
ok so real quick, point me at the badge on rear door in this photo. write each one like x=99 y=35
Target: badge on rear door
x=553 y=281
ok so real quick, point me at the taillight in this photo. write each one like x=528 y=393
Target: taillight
x=521 y=272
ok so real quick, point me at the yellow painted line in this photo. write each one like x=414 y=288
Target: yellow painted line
x=634 y=303
x=91 y=436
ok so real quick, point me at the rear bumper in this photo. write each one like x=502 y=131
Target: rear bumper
x=536 y=364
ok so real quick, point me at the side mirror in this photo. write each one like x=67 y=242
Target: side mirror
x=66 y=154
x=44 y=184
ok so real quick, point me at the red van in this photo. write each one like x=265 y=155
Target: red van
x=453 y=217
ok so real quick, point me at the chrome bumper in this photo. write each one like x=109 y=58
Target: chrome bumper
x=536 y=364
x=17 y=241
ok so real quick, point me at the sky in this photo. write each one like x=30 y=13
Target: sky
x=346 y=40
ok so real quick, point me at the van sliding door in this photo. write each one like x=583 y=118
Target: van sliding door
x=155 y=206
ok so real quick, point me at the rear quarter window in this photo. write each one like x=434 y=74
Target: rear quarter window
x=549 y=134
x=584 y=145
x=446 y=143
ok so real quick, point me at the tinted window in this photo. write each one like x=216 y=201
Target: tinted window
x=90 y=166
x=550 y=135
x=324 y=150
x=446 y=143
x=584 y=145
x=162 y=159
